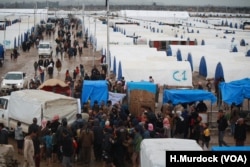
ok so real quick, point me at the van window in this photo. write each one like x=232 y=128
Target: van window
x=44 y=46
x=3 y=104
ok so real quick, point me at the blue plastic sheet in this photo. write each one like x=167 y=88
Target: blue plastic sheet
x=235 y=91
x=94 y=90
x=178 y=96
x=147 y=86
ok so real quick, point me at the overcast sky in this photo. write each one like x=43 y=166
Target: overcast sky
x=229 y=3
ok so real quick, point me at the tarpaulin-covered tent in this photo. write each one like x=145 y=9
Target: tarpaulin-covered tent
x=140 y=94
x=94 y=91
x=147 y=86
x=178 y=96
x=56 y=86
x=235 y=91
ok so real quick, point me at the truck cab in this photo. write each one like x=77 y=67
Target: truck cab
x=4 y=101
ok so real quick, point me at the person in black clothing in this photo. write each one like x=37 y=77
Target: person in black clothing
x=50 y=71
x=118 y=149
x=36 y=142
x=86 y=77
x=151 y=116
x=59 y=136
x=67 y=148
x=40 y=62
x=240 y=133
x=98 y=136
x=222 y=125
x=46 y=63
x=3 y=134
x=179 y=128
x=201 y=107
x=95 y=73
x=107 y=147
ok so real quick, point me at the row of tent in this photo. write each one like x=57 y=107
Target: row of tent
x=232 y=92
x=211 y=62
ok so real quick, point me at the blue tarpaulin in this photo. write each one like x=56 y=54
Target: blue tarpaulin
x=178 y=96
x=94 y=90
x=235 y=91
x=231 y=148
x=147 y=86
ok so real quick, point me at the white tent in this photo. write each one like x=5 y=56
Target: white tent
x=140 y=62
x=172 y=73
x=28 y=20
x=233 y=71
x=153 y=151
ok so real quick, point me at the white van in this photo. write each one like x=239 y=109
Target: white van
x=45 y=49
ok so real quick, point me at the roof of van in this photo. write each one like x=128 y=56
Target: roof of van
x=45 y=42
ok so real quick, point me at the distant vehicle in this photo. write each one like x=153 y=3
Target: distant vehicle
x=14 y=80
x=45 y=49
x=52 y=20
x=50 y=26
x=66 y=21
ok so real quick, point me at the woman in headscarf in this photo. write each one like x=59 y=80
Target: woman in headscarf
x=58 y=65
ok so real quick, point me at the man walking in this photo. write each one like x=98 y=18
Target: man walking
x=222 y=125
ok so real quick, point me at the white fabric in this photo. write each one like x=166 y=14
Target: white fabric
x=24 y=105
x=152 y=153
x=116 y=97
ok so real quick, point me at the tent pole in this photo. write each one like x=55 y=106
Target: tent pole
x=107 y=53
x=248 y=104
x=219 y=94
x=210 y=118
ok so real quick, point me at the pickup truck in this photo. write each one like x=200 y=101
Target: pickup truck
x=45 y=49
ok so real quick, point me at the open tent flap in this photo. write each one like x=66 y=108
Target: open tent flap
x=187 y=96
x=94 y=90
x=235 y=91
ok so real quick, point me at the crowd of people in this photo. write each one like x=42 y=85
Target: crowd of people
x=109 y=130
x=113 y=134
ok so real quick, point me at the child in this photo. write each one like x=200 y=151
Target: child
x=19 y=137
x=48 y=143
x=205 y=135
x=167 y=126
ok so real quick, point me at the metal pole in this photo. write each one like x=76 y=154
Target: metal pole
x=28 y=25
x=107 y=53
x=89 y=36
x=34 y=15
x=83 y=30
x=4 y=33
x=94 y=42
x=19 y=33
x=174 y=26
